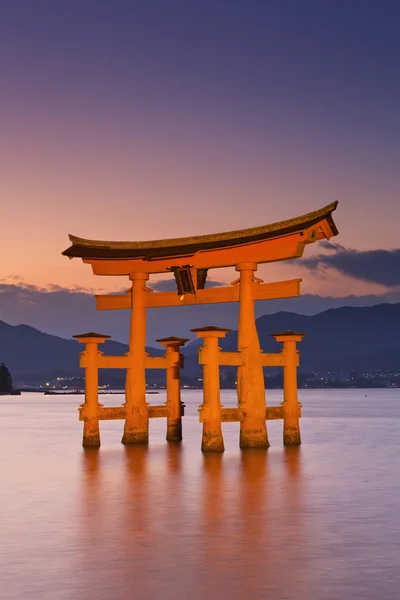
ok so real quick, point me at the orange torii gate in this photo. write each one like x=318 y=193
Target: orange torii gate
x=189 y=260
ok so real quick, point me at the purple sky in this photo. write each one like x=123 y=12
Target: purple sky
x=152 y=119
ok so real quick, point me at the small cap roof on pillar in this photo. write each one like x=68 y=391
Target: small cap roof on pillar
x=210 y=328
x=91 y=335
x=211 y=331
x=172 y=340
x=287 y=334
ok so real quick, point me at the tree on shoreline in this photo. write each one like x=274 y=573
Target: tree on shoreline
x=6 y=383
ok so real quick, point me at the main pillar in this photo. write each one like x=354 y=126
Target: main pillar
x=250 y=379
x=88 y=359
x=212 y=440
x=291 y=405
x=136 y=429
x=173 y=381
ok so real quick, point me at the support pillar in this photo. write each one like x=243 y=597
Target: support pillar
x=212 y=440
x=88 y=360
x=136 y=429
x=250 y=377
x=173 y=381
x=291 y=405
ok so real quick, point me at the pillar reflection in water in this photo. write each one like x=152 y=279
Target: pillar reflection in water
x=91 y=480
x=136 y=488
x=292 y=458
x=213 y=550
x=90 y=525
x=212 y=488
x=288 y=533
x=174 y=461
x=254 y=508
x=224 y=526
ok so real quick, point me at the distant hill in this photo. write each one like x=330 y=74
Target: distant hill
x=340 y=339
x=32 y=355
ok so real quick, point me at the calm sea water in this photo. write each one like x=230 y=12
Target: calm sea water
x=321 y=522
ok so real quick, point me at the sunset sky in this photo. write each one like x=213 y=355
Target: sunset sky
x=136 y=120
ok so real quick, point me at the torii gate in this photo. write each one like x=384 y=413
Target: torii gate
x=189 y=260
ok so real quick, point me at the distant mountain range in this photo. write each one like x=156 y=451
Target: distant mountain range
x=34 y=356
x=340 y=339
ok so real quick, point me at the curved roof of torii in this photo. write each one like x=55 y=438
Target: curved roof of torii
x=177 y=247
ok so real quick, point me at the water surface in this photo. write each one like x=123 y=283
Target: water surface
x=321 y=522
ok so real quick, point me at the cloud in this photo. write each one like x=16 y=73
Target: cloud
x=59 y=311
x=9 y=278
x=374 y=266
x=65 y=312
